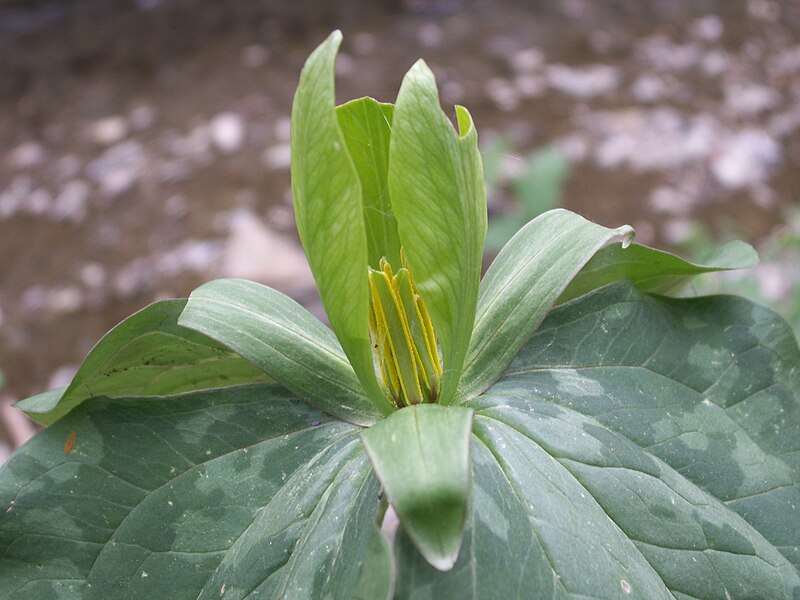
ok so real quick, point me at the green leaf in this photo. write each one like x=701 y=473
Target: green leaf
x=436 y=185
x=421 y=457
x=654 y=270
x=367 y=126
x=284 y=340
x=148 y=354
x=377 y=579
x=243 y=492
x=638 y=447
x=522 y=285
x=329 y=212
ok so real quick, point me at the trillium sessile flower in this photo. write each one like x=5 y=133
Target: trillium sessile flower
x=380 y=189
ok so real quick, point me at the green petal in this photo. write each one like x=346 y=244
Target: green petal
x=329 y=213
x=367 y=127
x=436 y=184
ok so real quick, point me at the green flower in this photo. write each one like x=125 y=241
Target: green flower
x=391 y=210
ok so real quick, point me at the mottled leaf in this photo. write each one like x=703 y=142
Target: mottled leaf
x=638 y=447
x=438 y=196
x=148 y=354
x=654 y=270
x=245 y=492
x=421 y=457
x=377 y=578
x=284 y=340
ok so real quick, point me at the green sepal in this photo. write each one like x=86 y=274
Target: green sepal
x=421 y=457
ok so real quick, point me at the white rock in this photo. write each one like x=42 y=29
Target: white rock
x=254 y=251
x=750 y=99
x=583 y=82
x=278 y=157
x=430 y=35
x=38 y=202
x=12 y=199
x=503 y=93
x=71 y=202
x=108 y=130
x=530 y=86
x=93 y=275
x=27 y=155
x=709 y=28
x=142 y=117
x=283 y=129
x=227 y=132
x=715 y=62
x=670 y=201
x=118 y=169
x=364 y=43
x=255 y=56
x=527 y=60
x=63 y=300
x=648 y=88
x=746 y=158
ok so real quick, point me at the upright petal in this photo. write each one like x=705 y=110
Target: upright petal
x=329 y=213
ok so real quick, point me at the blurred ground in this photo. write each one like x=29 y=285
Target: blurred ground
x=144 y=145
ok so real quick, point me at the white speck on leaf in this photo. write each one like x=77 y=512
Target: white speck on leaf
x=626 y=587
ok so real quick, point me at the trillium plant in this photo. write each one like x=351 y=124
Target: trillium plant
x=564 y=427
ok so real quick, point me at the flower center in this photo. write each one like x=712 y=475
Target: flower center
x=402 y=336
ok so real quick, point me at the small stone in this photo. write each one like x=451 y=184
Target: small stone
x=648 y=88
x=751 y=99
x=283 y=129
x=709 y=28
x=430 y=35
x=38 y=202
x=583 y=82
x=746 y=158
x=670 y=201
x=530 y=86
x=504 y=95
x=109 y=130
x=176 y=207
x=93 y=275
x=527 y=60
x=254 y=251
x=278 y=157
x=255 y=56
x=27 y=155
x=71 y=202
x=118 y=169
x=142 y=117
x=715 y=62
x=364 y=43
x=227 y=132
x=64 y=300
